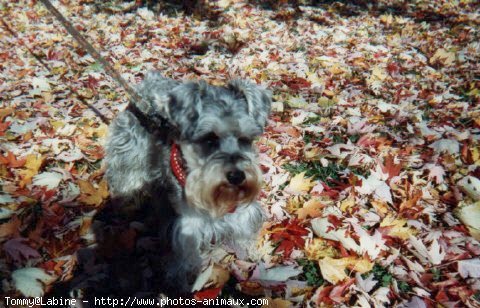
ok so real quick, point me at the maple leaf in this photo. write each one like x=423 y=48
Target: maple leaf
x=289 y=235
x=32 y=166
x=333 y=270
x=10 y=228
x=17 y=249
x=471 y=186
x=373 y=185
x=275 y=274
x=300 y=184
x=312 y=208
x=397 y=227
x=4 y=112
x=49 y=179
x=443 y=56
x=390 y=167
x=469 y=214
x=318 y=248
x=434 y=255
x=323 y=228
x=91 y=195
x=11 y=161
x=469 y=268
x=29 y=281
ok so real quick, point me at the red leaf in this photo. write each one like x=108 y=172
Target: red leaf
x=207 y=294
x=288 y=235
x=296 y=83
x=393 y=68
x=390 y=167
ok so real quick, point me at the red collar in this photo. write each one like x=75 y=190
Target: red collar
x=176 y=163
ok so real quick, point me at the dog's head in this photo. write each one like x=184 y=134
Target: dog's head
x=216 y=129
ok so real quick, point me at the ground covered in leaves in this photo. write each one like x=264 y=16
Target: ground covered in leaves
x=371 y=157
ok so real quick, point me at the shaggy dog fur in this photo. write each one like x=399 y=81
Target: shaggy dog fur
x=214 y=128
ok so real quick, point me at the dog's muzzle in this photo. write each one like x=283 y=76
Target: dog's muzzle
x=220 y=186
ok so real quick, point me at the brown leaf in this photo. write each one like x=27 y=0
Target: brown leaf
x=10 y=228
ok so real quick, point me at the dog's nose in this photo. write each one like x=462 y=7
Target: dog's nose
x=236 y=177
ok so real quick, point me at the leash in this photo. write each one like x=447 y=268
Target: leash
x=143 y=110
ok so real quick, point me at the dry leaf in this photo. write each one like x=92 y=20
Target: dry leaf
x=91 y=195
x=300 y=184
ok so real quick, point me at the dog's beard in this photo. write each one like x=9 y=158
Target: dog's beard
x=207 y=188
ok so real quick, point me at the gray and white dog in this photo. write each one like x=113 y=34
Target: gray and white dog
x=199 y=177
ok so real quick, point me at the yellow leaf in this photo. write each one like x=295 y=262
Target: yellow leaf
x=57 y=124
x=378 y=73
x=300 y=184
x=312 y=208
x=333 y=270
x=443 y=56
x=361 y=266
x=335 y=69
x=397 y=228
x=97 y=132
x=381 y=207
x=347 y=203
x=91 y=195
x=32 y=165
x=386 y=19
x=294 y=203
x=318 y=249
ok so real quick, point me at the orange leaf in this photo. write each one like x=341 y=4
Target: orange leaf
x=11 y=161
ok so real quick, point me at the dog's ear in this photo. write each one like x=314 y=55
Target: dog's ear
x=176 y=102
x=258 y=100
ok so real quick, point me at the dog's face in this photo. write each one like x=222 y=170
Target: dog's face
x=217 y=127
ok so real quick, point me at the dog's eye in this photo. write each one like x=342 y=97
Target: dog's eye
x=210 y=139
x=244 y=141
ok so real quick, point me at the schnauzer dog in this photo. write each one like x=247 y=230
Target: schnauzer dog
x=198 y=175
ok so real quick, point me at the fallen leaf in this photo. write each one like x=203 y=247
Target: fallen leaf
x=29 y=281
x=32 y=166
x=443 y=56
x=312 y=209
x=469 y=214
x=18 y=250
x=300 y=184
x=10 y=228
x=333 y=270
x=397 y=227
x=471 y=186
x=11 y=160
x=91 y=195
x=469 y=268
x=49 y=179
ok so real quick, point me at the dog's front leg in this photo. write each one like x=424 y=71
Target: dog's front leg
x=184 y=262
